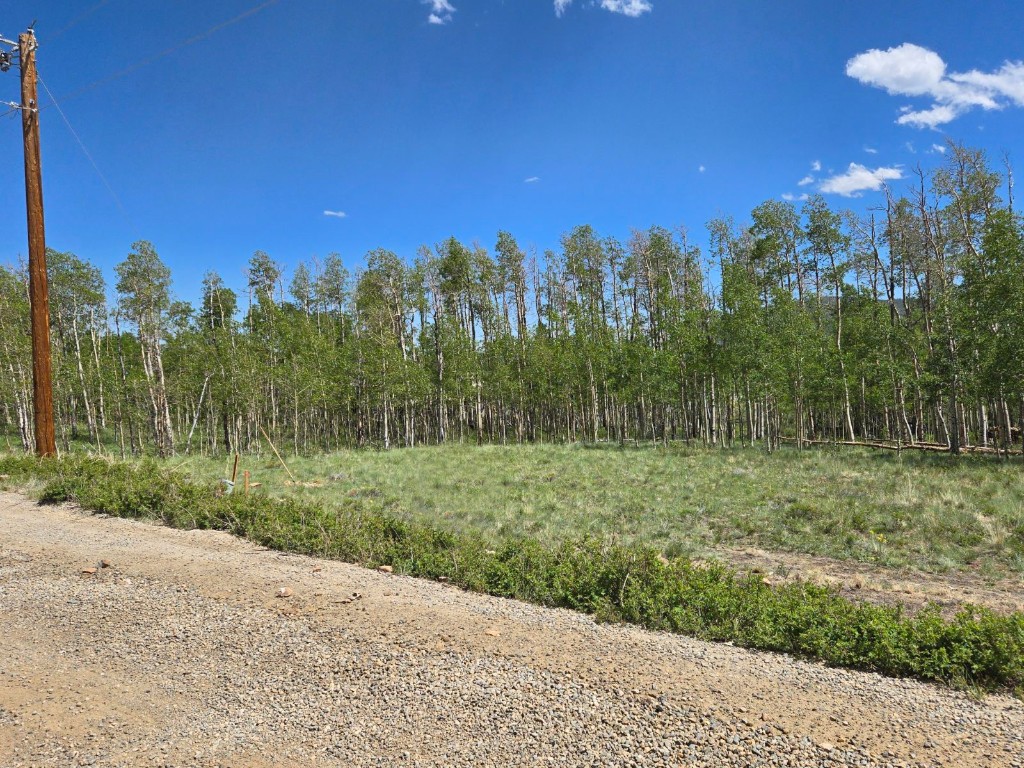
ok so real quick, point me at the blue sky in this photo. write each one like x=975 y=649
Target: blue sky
x=419 y=120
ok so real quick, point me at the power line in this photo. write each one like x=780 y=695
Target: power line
x=168 y=51
x=77 y=20
x=86 y=152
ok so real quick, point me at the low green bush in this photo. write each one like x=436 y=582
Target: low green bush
x=977 y=648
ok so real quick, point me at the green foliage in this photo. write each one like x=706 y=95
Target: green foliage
x=977 y=648
x=807 y=324
x=144 y=283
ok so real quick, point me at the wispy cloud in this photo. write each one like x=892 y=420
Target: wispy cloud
x=789 y=197
x=910 y=70
x=531 y=180
x=441 y=11
x=940 y=148
x=871 y=150
x=632 y=8
x=336 y=214
x=858 y=179
x=701 y=169
x=808 y=179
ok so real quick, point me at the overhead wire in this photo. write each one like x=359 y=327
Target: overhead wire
x=66 y=28
x=167 y=51
x=77 y=20
x=86 y=152
x=149 y=59
x=121 y=73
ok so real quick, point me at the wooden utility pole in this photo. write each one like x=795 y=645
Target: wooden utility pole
x=42 y=384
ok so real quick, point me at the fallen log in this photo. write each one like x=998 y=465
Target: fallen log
x=934 y=447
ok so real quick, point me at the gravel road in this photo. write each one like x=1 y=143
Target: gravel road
x=180 y=653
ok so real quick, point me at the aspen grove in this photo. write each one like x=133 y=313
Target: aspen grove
x=903 y=325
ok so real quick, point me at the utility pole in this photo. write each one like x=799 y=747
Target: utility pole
x=42 y=384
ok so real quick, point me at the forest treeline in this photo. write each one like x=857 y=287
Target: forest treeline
x=904 y=324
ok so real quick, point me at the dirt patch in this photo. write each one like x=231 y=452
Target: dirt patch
x=883 y=586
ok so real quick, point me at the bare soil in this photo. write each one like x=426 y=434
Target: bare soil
x=884 y=586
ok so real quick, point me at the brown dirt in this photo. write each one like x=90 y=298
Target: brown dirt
x=884 y=586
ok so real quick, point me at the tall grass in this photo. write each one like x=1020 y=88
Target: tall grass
x=916 y=510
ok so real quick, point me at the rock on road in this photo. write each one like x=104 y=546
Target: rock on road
x=178 y=651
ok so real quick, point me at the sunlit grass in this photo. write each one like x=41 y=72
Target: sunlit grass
x=923 y=511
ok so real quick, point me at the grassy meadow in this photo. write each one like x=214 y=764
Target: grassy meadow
x=923 y=511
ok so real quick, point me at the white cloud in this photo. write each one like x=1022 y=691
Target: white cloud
x=871 y=150
x=906 y=70
x=816 y=166
x=938 y=115
x=336 y=214
x=805 y=181
x=910 y=70
x=531 y=180
x=940 y=148
x=791 y=198
x=631 y=8
x=440 y=11
x=858 y=179
x=701 y=169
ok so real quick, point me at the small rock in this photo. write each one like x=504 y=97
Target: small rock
x=385 y=569
x=88 y=571
x=492 y=633
x=285 y=592
x=317 y=569
x=827 y=747
x=105 y=563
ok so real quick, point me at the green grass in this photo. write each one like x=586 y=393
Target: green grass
x=924 y=511
x=977 y=648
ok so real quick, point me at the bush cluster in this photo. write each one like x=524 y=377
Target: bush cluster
x=977 y=648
